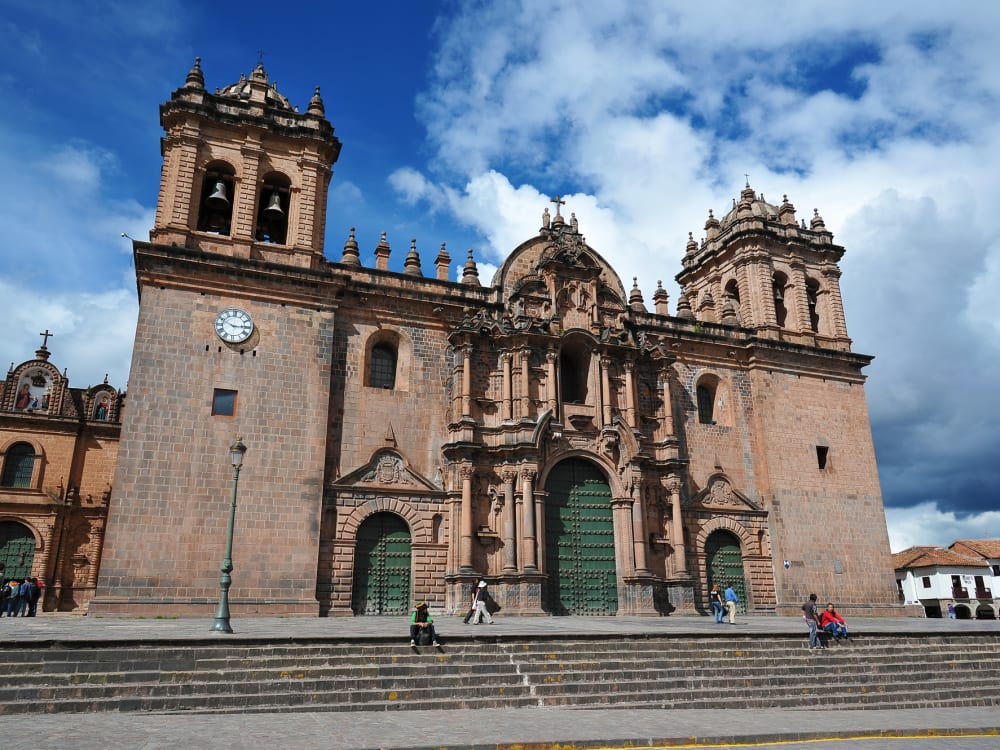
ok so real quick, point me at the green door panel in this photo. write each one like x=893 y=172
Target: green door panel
x=579 y=541
x=725 y=565
x=17 y=550
x=382 y=567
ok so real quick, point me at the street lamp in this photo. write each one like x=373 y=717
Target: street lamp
x=236 y=451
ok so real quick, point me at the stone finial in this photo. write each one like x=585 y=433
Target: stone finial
x=382 y=251
x=816 y=224
x=635 y=300
x=684 y=308
x=692 y=245
x=316 y=104
x=470 y=273
x=411 y=266
x=442 y=262
x=786 y=212
x=661 y=299
x=711 y=226
x=195 y=78
x=351 y=256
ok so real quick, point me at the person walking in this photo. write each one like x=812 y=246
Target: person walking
x=472 y=604
x=480 y=599
x=812 y=620
x=718 y=608
x=731 y=601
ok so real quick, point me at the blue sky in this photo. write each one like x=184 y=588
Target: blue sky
x=459 y=120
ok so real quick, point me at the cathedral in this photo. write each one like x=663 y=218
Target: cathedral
x=58 y=451
x=585 y=452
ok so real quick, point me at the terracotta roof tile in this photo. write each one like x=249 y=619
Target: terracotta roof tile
x=985 y=548
x=926 y=557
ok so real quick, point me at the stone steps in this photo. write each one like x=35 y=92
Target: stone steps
x=497 y=672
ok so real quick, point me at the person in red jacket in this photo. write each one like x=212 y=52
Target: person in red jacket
x=833 y=623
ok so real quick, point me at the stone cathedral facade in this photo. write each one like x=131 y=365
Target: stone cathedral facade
x=547 y=429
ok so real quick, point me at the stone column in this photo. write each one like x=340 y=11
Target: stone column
x=552 y=358
x=526 y=383
x=629 y=393
x=800 y=306
x=468 y=526
x=605 y=391
x=668 y=407
x=835 y=304
x=677 y=525
x=505 y=395
x=466 y=382
x=639 y=532
x=621 y=509
x=530 y=553
x=510 y=522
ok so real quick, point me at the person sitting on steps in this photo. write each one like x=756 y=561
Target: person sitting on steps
x=422 y=620
x=833 y=623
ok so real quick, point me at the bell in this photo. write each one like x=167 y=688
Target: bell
x=273 y=210
x=218 y=200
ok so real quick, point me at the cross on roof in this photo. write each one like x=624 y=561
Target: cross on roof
x=45 y=337
x=558 y=201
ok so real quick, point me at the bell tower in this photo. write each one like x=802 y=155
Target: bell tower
x=762 y=269
x=245 y=174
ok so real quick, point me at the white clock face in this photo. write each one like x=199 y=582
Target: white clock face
x=233 y=325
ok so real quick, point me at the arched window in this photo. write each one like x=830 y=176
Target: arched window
x=812 y=298
x=778 y=285
x=18 y=466
x=382 y=367
x=215 y=209
x=705 y=393
x=574 y=361
x=272 y=210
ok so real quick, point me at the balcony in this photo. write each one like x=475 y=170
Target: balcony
x=959 y=593
x=983 y=593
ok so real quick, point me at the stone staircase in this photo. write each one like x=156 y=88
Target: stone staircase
x=655 y=671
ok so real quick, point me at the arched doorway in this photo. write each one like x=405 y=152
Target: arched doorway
x=724 y=562
x=382 y=566
x=17 y=550
x=579 y=541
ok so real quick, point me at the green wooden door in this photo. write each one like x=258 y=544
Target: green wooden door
x=579 y=542
x=382 y=567
x=725 y=565
x=17 y=550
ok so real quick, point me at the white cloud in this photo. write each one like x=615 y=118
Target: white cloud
x=94 y=332
x=926 y=524
x=651 y=116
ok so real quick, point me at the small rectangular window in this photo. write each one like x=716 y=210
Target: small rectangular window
x=995 y=569
x=822 y=452
x=926 y=581
x=223 y=403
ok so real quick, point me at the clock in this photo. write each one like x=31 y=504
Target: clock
x=233 y=325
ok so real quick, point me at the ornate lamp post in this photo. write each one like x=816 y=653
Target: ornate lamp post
x=236 y=451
